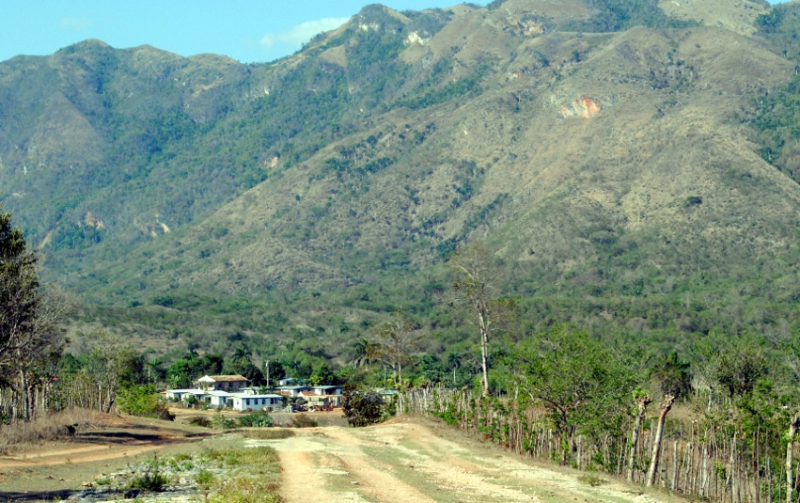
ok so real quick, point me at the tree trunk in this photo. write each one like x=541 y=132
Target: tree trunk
x=643 y=402
x=482 y=323
x=789 y=448
x=666 y=405
x=25 y=389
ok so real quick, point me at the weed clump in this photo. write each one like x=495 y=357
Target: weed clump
x=258 y=419
x=303 y=421
x=153 y=479
x=591 y=480
x=201 y=421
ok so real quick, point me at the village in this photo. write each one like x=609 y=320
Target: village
x=234 y=392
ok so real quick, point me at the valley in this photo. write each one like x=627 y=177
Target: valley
x=545 y=223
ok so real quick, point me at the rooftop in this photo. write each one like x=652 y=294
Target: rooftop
x=233 y=378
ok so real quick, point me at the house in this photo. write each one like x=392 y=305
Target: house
x=291 y=381
x=327 y=390
x=321 y=401
x=230 y=384
x=244 y=401
x=291 y=391
x=178 y=394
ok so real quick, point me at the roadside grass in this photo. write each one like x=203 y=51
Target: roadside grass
x=64 y=424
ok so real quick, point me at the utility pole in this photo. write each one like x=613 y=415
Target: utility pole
x=267 y=365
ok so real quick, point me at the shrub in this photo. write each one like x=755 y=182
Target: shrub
x=152 y=479
x=221 y=422
x=143 y=401
x=200 y=421
x=303 y=421
x=258 y=419
x=591 y=480
x=361 y=408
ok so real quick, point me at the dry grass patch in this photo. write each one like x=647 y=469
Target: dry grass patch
x=57 y=426
x=254 y=476
x=268 y=434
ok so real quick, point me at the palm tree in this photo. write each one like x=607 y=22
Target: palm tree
x=454 y=361
x=154 y=371
x=361 y=350
x=241 y=354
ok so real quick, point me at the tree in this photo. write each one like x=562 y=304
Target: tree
x=642 y=401
x=361 y=408
x=322 y=375
x=240 y=363
x=666 y=405
x=672 y=375
x=583 y=386
x=111 y=366
x=477 y=273
x=400 y=338
x=793 y=427
x=739 y=368
x=361 y=351
x=31 y=341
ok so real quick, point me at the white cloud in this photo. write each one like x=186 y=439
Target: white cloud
x=302 y=32
x=75 y=23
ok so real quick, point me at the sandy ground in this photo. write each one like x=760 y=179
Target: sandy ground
x=421 y=461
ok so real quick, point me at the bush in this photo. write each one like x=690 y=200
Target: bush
x=152 y=479
x=221 y=422
x=303 y=421
x=258 y=419
x=200 y=421
x=591 y=480
x=140 y=401
x=361 y=408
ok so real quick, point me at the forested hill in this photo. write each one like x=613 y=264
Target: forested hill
x=632 y=164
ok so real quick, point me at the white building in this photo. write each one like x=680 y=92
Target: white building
x=244 y=401
x=229 y=392
x=230 y=384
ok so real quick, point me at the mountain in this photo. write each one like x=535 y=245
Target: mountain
x=610 y=151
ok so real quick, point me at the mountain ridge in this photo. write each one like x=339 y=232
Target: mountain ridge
x=602 y=166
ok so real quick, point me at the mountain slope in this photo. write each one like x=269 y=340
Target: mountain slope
x=598 y=146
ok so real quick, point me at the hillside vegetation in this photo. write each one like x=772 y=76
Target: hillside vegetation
x=632 y=165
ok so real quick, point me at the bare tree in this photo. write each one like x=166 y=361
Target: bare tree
x=476 y=287
x=666 y=405
x=400 y=338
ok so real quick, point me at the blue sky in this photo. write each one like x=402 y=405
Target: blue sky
x=246 y=30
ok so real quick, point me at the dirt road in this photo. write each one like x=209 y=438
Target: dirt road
x=412 y=461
